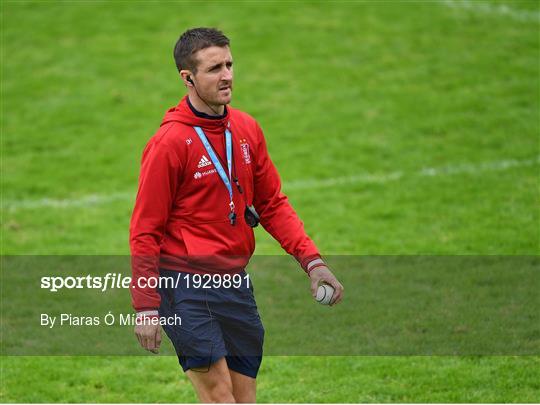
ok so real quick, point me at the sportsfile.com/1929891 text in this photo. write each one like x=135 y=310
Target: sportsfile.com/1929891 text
x=119 y=281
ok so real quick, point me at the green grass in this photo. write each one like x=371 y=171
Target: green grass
x=353 y=379
x=341 y=89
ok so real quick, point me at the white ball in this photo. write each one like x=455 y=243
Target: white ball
x=325 y=292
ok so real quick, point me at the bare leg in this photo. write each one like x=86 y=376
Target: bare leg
x=215 y=385
x=244 y=387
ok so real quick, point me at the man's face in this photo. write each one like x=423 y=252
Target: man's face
x=214 y=77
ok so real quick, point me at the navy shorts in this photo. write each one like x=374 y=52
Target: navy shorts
x=216 y=321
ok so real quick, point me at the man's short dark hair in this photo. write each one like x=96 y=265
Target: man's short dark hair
x=194 y=40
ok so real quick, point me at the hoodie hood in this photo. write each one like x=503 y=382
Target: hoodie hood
x=186 y=114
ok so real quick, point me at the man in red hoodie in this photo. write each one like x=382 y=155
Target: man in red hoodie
x=206 y=180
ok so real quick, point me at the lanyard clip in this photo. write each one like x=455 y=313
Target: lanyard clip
x=232 y=218
x=231 y=205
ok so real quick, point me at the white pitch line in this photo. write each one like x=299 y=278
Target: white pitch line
x=484 y=7
x=366 y=178
x=85 y=201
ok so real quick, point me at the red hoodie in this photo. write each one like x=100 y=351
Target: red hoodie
x=180 y=220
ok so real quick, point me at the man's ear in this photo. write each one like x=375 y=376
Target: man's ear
x=187 y=77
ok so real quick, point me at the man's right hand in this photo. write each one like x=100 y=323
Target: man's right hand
x=148 y=335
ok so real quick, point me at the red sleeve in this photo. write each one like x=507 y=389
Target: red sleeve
x=158 y=182
x=277 y=215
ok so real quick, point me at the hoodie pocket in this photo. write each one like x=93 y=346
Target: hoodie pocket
x=218 y=246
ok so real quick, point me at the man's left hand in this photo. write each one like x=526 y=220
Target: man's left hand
x=323 y=274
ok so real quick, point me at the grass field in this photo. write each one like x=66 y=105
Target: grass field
x=399 y=128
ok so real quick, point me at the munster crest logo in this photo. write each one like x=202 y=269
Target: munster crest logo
x=245 y=151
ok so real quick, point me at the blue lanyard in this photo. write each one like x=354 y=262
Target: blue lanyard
x=228 y=143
